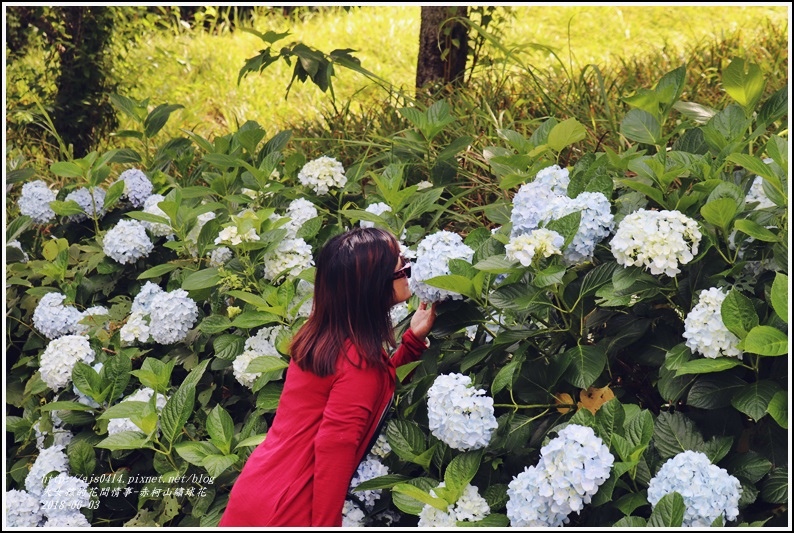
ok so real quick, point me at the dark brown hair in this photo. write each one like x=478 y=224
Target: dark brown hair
x=353 y=292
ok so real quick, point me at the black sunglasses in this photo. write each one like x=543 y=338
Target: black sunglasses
x=405 y=270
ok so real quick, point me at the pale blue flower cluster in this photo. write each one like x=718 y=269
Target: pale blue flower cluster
x=22 y=509
x=322 y=174
x=261 y=344
x=377 y=208
x=290 y=258
x=546 y=199
x=151 y=206
x=53 y=319
x=398 y=313
x=433 y=254
x=60 y=356
x=127 y=242
x=572 y=467
x=220 y=256
x=52 y=459
x=60 y=436
x=458 y=414
x=137 y=186
x=117 y=425
x=370 y=468
x=381 y=448
x=92 y=203
x=352 y=515
x=656 y=240
x=757 y=194
x=708 y=490
x=165 y=317
x=34 y=201
x=704 y=330
x=64 y=496
x=470 y=507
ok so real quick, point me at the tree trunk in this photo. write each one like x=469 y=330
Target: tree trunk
x=443 y=47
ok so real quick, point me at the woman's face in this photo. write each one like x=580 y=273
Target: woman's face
x=402 y=271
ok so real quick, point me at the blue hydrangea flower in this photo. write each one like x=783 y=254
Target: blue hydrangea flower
x=137 y=186
x=35 y=201
x=127 y=242
x=22 y=509
x=433 y=254
x=53 y=319
x=458 y=414
x=91 y=203
x=171 y=316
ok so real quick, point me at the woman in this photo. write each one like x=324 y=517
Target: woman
x=338 y=384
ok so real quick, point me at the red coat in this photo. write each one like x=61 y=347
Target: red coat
x=300 y=474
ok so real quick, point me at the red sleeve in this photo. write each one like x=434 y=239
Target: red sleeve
x=347 y=415
x=409 y=350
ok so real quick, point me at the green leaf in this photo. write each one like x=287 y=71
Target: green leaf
x=405 y=370
x=755 y=398
x=87 y=381
x=194 y=452
x=754 y=230
x=157 y=271
x=565 y=134
x=453 y=283
x=406 y=440
x=112 y=196
x=381 y=482
x=720 y=212
x=67 y=169
x=766 y=340
x=123 y=409
x=177 y=411
x=642 y=127
x=220 y=427
x=750 y=466
x=744 y=82
x=668 y=511
x=123 y=440
x=504 y=378
x=253 y=440
x=738 y=313
x=203 y=279
x=674 y=433
x=228 y=346
x=217 y=464
x=633 y=522
x=155 y=121
x=65 y=405
x=776 y=487
x=460 y=471
x=266 y=363
x=254 y=319
x=420 y=495
x=69 y=207
x=82 y=459
x=779 y=296
x=778 y=408
x=587 y=363
x=493 y=520
x=495 y=264
x=714 y=391
x=707 y=366
x=214 y=324
x=758 y=167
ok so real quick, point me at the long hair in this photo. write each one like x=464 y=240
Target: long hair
x=353 y=292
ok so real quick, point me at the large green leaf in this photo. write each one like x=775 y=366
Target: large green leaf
x=406 y=440
x=642 y=127
x=779 y=295
x=707 y=366
x=674 y=433
x=587 y=363
x=755 y=398
x=82 y=459
x=228 y=346
x=202 y=279
x=766 y=340
x=714 y=391
x=776 y=487
x=123 y=440
x=720 y=212
x=220 y=427
x=738 y=313
x=420 y=495
x=460 y=471
x=778 y=408
x=194 y=452
x=668 y=511
x=751 y=466
x=744 y=82
x=566 y=133
x=177 y=411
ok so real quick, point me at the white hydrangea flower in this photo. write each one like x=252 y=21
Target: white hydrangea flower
x=60 y=356
x=299 y=211
x=127 y=242
x=398 y=313
x=83 y=197
x=157 y=229
x=52 y=459
x=66 y=521
x=458 y=414
x=231 y=235
x=470 y=507
x=34 y=201
x=143 y=300
x=433 y=254
x=352 y=516
x=18 y=245
x=424 y=184
x=137 y=186
x=656 y=240
x=757 y=194
x=541 y=242
x=191 y=239
x=377 y=208
x=290 y=258
x=220 y=256
x=368 y=469
x=117 y=425
x=136 y=328
x=22 y=509
x=704 y=330
x=708 y=490
x=554 y=178
x=261 y=344
x=407 y=252
x=571 y=469
x=322 y=174
x=53 y=319
x=64 y=495
x=171 y=316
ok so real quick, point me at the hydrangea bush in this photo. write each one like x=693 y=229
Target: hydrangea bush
x=607 y=322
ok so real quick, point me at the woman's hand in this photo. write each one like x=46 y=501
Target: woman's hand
x=422 y=321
